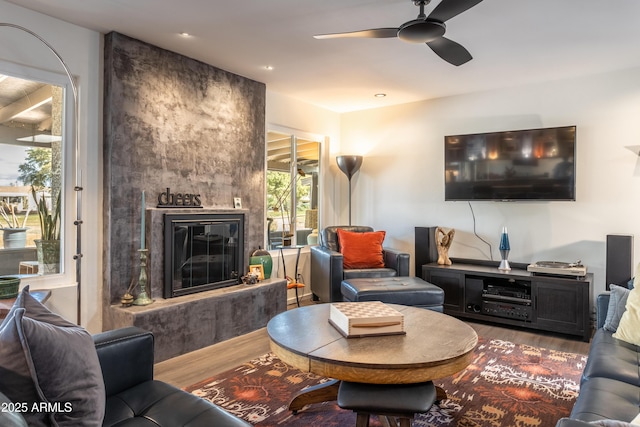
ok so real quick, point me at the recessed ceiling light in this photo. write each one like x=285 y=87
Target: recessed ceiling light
x=380 y=95
x=268 y=67
x=185 y=34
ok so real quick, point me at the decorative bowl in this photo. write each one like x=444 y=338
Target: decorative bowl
x=9 y=287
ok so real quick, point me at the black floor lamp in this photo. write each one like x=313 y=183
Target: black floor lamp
x=349 y=165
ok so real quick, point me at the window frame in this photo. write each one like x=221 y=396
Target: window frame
x=68 y=149
x=294 y=135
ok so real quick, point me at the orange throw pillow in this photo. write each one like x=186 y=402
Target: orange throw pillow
x=361 y=250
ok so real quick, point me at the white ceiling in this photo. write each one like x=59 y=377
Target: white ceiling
x=513 y=42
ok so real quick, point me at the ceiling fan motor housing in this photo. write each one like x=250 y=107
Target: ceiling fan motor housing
x=421 y=31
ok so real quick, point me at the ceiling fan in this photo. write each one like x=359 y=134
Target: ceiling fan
x=424 y=29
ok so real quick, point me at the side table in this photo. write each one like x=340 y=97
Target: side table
x=292 y=283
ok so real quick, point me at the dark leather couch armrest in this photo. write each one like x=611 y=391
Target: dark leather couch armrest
x=568 y=422
x=326 y=273
x=126 y=358
x=397 y=260
x=602 y=306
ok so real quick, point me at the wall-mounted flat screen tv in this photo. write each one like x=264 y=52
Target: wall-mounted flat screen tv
x=533 y=164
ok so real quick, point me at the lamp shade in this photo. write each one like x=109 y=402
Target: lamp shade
x=349 y=164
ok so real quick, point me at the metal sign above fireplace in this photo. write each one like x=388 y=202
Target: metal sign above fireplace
x=169 y=199
x=202 y=252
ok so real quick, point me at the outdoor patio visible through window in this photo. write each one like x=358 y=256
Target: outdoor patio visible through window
x=30 y=176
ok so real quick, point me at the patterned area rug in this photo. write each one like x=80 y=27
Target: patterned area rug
x=506 y=385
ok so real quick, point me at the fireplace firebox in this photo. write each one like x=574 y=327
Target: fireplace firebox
x=202 y=252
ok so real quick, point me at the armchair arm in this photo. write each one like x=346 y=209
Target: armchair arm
x=602 y=307
x=397 y=260
x=126 y=358
x=326 y=274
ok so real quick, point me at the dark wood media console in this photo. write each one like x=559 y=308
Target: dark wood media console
x=480 y=291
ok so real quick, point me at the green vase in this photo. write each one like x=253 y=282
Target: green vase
x=262 y=257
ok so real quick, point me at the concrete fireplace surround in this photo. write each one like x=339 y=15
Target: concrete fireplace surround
x=173 y=122
x=191 y=322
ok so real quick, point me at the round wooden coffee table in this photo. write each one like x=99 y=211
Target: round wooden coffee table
x=435 y=346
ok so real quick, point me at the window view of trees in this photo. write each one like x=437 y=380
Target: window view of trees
x=30 y=160
x=36 y=169
x=17 y=205
x=292 y=189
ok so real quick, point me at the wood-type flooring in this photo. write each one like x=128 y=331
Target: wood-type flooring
x=198 y=365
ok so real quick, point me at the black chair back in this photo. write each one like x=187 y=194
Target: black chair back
x=329 y=235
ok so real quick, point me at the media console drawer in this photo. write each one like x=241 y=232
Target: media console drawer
x=516 y=297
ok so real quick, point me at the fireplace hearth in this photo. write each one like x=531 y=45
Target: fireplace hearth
x=202 y=251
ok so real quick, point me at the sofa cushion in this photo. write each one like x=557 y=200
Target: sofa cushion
x=618 y=423
x=617 y=306
x=629 y=327
x=155 y=403
x=612 y=358
x=605 y=398
x=329 y=235
x=361 y=250
x=369 y=273
x=612 y=423
x=51 y=363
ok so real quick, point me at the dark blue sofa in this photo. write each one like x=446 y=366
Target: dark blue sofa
x=610 y=383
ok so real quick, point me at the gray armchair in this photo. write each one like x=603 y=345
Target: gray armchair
x=327 y=272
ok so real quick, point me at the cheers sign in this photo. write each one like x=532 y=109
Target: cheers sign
x=167 y=199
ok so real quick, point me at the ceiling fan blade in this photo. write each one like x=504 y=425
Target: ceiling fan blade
x=450 y=51
x=375 y=33
x=447 y=9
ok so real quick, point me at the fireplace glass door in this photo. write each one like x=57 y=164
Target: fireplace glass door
x=202 y=252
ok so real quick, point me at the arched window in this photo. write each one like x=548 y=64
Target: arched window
x=35 y=150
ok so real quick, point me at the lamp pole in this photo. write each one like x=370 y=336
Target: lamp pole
x=349 y=165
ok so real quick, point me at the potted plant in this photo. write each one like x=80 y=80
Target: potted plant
x=48 y=246
x=14 y=233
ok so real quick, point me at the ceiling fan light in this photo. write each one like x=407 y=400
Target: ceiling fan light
x=421 y=31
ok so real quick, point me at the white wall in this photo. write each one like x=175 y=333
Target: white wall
x=81 y=50
x=286 y=113
x=401 y=183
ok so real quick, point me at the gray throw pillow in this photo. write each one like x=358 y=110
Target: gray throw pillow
x=10 y=414
x=617 y=306
x=51 y=365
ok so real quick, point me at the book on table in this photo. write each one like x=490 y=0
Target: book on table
x=366 y=318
